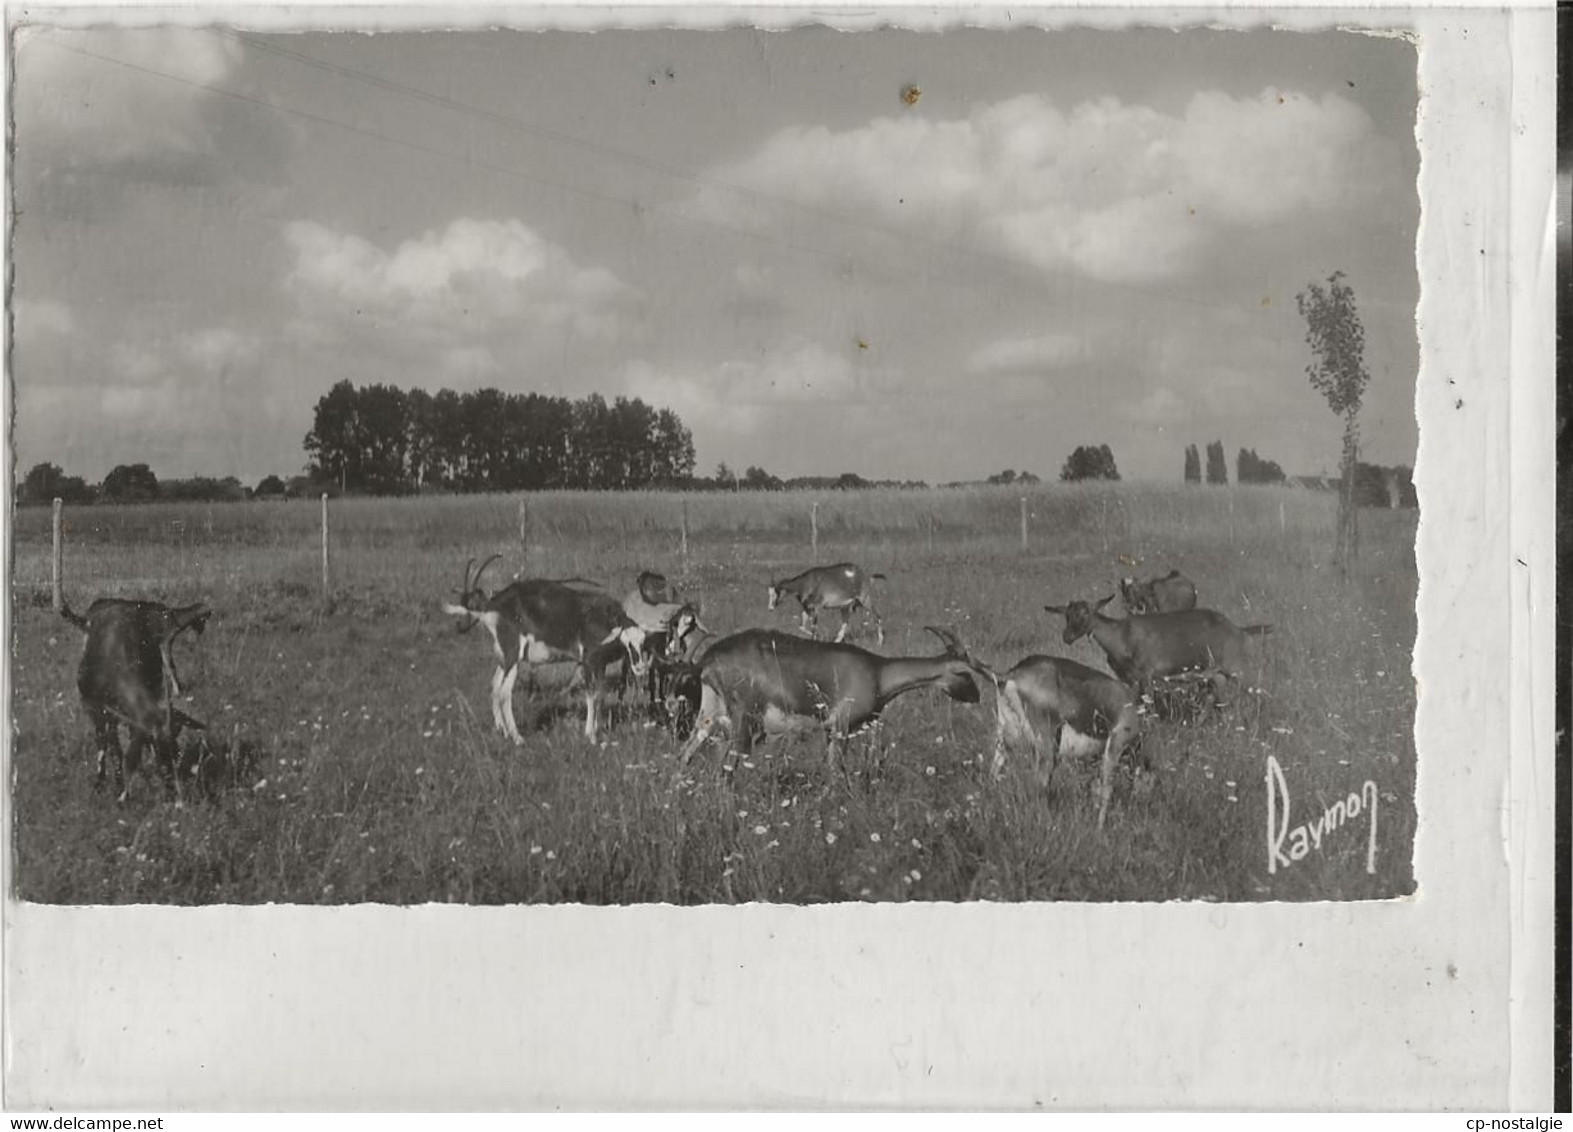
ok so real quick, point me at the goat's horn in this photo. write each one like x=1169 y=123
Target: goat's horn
x=468 y=566
x=951 y=642
x=476 y=581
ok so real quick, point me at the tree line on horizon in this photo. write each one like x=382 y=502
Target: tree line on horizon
x=1249 y=467
x=382 y=440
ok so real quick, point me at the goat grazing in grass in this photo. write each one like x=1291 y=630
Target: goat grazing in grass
x=760 y=682
x=127 y=676
x=1170 y=594
x=843 y=586
x=1076 y=709
x=539 y=621
x=1191 y=643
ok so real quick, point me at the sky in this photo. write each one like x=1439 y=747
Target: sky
x=1066 y=237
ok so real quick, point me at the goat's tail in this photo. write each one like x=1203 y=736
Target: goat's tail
x=75 y=618
x=1256 y=630
x=875 y=574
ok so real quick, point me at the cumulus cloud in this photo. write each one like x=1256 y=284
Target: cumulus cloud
x=474 y=276
x=1013 y=355
x=1116 y=191
x=1161 y=408
x=101 y=112
x=219 y=347
x=740 y=394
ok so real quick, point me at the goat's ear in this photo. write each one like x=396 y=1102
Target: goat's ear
x=1060 y=609
x=1105 y=601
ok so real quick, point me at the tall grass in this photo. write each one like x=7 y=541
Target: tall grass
x=378 y=776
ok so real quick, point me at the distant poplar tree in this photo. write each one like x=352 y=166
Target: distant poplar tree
x=1217 y=465
x=1338 y=373
x=1193 y=464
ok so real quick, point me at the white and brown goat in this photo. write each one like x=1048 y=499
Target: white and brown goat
x=1071 y=709
x=540 y=621
x=844 y=586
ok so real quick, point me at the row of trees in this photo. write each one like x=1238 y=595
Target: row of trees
x=129 y=483
x=383 y=440
x=1249 y=467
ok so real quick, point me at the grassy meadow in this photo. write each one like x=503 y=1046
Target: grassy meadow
x=371 y=771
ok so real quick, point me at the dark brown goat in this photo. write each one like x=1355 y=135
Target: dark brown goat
x=675 y=689
x=1192 y=642
x=760 y=681
x=127 y=676
x=1169 y=594
x=1075 y=708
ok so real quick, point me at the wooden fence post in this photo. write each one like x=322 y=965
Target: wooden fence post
x=813 y=526
x=59 y=559
x=524 y=533
x=1283 y=526
x=325 y=590
x=1105 y=502
x=931 y=532
x=1024 y=522
x=685 y=536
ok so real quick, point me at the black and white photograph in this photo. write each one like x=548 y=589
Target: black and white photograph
x=720 y=465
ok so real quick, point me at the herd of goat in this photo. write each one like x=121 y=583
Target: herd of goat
x=749 y=684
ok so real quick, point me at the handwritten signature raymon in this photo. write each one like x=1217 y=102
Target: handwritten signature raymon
x=1308 y=835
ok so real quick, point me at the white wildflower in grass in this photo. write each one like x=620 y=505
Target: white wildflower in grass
x=760 y=831
x=551 y=854
x=785 y=802
x=534 y=850
x=1229 y=782
x=830 y=838
x=1283 y=730
x=916 y=844
x=1232 y=798
x=915 y=875
x=742 y=814
x=420 y=770
x=928 y=770
x=771 y=844
x=1343 y=762
x=874 y=837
